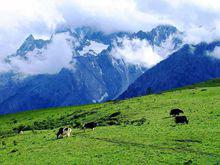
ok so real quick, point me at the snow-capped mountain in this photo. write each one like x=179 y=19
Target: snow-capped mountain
x=80 y=66
x=191 y=64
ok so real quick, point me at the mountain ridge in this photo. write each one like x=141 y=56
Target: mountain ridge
x=189 y=65
x=91 y=76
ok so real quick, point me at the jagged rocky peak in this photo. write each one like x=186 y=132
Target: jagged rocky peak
x=164 y=30
x=159 y=34
x=30 y=44
x=30 y=38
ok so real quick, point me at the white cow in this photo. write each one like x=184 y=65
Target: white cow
x=64 y=132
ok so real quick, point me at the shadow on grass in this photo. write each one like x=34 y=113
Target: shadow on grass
x=188 y=141
x=141 y=145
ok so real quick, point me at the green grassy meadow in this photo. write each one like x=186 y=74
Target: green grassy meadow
x=142 y=133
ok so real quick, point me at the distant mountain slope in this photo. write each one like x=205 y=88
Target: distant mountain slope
x=92 y=73
x=189 y=65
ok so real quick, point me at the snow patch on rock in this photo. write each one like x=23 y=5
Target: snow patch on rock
x=93 y=48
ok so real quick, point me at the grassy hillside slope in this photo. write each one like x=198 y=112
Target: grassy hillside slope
x=142 y=133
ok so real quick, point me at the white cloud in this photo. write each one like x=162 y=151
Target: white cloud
x=4 y=67
x=196 y=34
x=200 y=19
x=137 y=52
x=108 y=15
x=20 y=18
x=166 y=48
x=51 y=60
x=216 y=52
x=42 y=16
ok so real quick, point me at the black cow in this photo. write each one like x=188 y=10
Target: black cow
x=175 y=112
x=90 y=125
x=181 y=120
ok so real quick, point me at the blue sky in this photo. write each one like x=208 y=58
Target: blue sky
x=199 y=18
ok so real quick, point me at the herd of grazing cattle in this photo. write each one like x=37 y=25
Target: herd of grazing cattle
x=174 y=113
x=66 y=131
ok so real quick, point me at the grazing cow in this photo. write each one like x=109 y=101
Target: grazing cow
x=64 y=132
x=181 y=120
x=20 y=132
x=21 y=129
x=175 y=112
x=90 y=125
